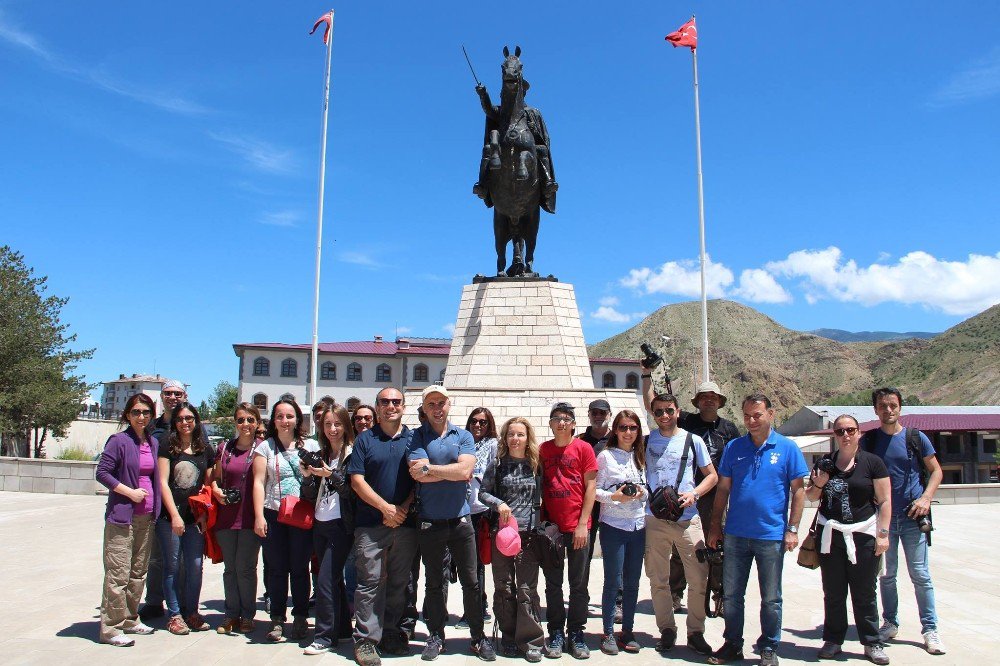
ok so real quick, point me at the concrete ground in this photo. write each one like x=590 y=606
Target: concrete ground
x=50 y=585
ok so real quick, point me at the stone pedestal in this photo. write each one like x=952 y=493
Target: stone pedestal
x=517 y=349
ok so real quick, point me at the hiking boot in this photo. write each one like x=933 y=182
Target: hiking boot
x=316 y=648
x=365 y=654
x=829 y=650
x=876 y=654
x=246 y=626
x=300 y=627
x=627 y=642
x=932 y=642
x=533 y=654
x=578 y=646
x=725 y=654
x=433 y=648
x=768 y=657
x=609 y=645
x=196 y=622
x=151 y=612
x=228 y=626
x=177 y=626
x=668 y=638
x=697 y=642
x=483 y=648
x=888 y=631
x=554 y=646
x=394 y=644
x=277 y=633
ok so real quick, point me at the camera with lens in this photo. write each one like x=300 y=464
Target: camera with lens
x=714 y=592
x=232 y=495
x=311 y=459
x=923 y=522
x=652 y=359
x=827 y=466
x=630 y=489
x=710 y=556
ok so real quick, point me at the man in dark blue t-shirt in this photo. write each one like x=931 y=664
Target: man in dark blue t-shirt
x=384 y=540
x=442 y=457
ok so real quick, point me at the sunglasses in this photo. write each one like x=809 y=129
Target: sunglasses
x=186 y=419
x=173 y=394
x=669 y=411
x=482 y=423
x=245 y=419
x=840 y=432
x=395 y=402
x=362 y=417
x=628 y=428
x=136 y=413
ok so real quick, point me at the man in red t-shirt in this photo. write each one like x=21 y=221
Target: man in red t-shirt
x=569 y=472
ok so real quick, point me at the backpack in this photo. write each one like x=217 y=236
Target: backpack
x=914 y=449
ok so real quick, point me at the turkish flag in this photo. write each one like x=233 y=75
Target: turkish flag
x=325 y=18
x=686 y=35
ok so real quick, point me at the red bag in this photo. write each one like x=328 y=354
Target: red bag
x=292 y=511
x=485 y=541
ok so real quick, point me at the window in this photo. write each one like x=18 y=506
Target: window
x=261 y=367
x=328 y=371
x=354 y=372
x=289 y=368
x=352 y=404
x=631 y=381
x=954 y=445
x=989 y=446
x=420 y=372
x=383 y=373
x=260 y=400
x=609 y=380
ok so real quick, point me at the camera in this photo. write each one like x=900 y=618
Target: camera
x=710 y=556
x=630 y=489
x=923 y=522
x=311 y=459
x=232 y=495
x=652 y=359
x=827 y=466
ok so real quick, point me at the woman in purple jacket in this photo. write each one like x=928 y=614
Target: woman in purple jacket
x=128 y=470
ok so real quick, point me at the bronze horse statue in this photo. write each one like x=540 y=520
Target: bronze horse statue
x=516 y=176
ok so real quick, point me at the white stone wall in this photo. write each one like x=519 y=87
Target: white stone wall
x=63 y=477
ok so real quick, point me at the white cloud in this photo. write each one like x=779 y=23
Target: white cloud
x=609 y=314
x=954 y=287
x=280 y=218
x=403 y=330
x=759 y=286
x=259 y=154
x=979 y=80
x=681 y=278
x=449 y=329
x=358 y=259
x=609 y=301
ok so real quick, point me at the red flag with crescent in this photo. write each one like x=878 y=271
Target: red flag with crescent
x=325 y=18
x=686 y=35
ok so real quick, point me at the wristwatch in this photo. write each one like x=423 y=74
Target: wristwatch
x=696 y=496
x=425 y=470
x=794 y=529
x=883 y=532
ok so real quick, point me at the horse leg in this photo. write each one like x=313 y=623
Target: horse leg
x=517 y=235
x=530 y=233
x=500 y=237
x=479 y=189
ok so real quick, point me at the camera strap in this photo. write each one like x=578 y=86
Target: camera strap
x=688 y=443
x=228 y=459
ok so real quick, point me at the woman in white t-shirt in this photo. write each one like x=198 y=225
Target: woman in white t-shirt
x=277 y=473
x=333 y=530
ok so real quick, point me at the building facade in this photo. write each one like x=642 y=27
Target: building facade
x=117 y=392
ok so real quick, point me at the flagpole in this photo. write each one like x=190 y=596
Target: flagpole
x=701 y=220
x=314 y=380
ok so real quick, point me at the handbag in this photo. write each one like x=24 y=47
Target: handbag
x=292 y=511
x=484 y=540
x=665 y=501
x=808 y=550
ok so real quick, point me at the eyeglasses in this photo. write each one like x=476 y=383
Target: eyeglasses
x=246 y=419
x=144 y=413
x=361 y=417
x=840 y=432
x=561 y=419
x=628 y=428
x=186 y=419
x=669 y=411
x=482 y=423
x=385 y=402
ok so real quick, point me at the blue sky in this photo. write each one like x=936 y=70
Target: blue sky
x=160 y=165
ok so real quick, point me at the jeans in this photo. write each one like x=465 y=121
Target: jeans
x=579 y=596
x=839 y=576
x=382 y=556
x=333 y=543
x=622 y=552
x=288 y=550
x=408 y=622
x=480 y=567
x=192 y=542
x=903 y=529
x=458 y=537
x=740 y=554
x=240 y=549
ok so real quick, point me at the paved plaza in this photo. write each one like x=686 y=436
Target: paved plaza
x=50 y=584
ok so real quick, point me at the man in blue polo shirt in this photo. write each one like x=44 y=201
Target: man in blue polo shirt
x=758 y=475
x=384 y=539
x=442 y=457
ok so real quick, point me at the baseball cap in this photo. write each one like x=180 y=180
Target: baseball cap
x=508 y=539
x=600 y=404
x=433 y=388
x=564 y=407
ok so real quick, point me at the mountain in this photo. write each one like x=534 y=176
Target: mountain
x=750 y=352
x=869 y=336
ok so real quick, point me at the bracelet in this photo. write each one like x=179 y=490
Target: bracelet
x=819 y=487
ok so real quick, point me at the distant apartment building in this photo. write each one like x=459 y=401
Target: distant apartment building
x=352 y=373
x=118 y=391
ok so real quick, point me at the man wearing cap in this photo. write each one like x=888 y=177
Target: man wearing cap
x=569 y=477
x=715 y=431
x=441 y=458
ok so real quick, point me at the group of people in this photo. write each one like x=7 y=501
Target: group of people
x=369 y=499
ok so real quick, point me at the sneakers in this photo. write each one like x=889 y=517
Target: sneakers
x=727 y=653
x=462 y=623
x=619 y=613
x=228 y=626
x=831 y=650
x=768 y=657
x=300 y=627
x=627 y=642
x=150 y=612
x=121 y=640
x=246 y=626
x=668 y=638
x=533 y=654
x=365 y=654
x=609 y=645
x=433 y=648
x=140 y=629
x=697 y=642
x=888 y=631
x=875 y=654
x=932 y=642
x=316 y=648
x=196 y=622
x=483 y=648
x=578 y=646
x=177 y=626
x=554 y=646
x=277 y=633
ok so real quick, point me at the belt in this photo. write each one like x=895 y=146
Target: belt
x=443 y=522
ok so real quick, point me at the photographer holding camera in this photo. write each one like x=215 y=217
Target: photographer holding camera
x=915 y=475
